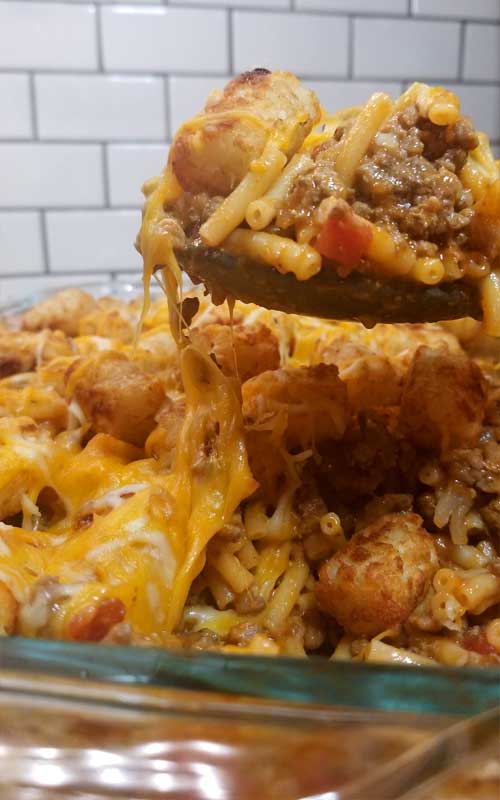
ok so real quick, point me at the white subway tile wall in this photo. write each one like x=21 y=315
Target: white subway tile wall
x=100 y=107
x=129 y=165
x=414 y=49
x=15 y=119
x=103 y=240
x=354 y=6
x=308 y=44
x=43 y=175
x=238 y=3
x=48 y=36
x=157 y=39
x=482 y=52
x=340 y=94
x=465 y=9
x=92 y=92
x=21 y=227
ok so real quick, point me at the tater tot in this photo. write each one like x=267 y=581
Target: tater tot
x=22 y=443
x=342 y=350
x=245 y=349
x=443 y=401
x=214 y=155
x=397 y=343
x=41 y=403
x=109 y=318
x=400 y=342
x=17 y=353
x=313 y=400
x=161 y=443
x=117 y=396
x=371 y=381
x=63 y=311
x=23 y=351
x=379 y=577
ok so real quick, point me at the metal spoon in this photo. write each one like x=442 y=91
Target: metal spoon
x=325 y=295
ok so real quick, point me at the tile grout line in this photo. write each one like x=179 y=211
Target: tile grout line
x=105 y=175
x=319 y=12
x=33 y=107
x=461 y=52
x=99 y=42
x=230 y=41
x=226 y=22
x=350 y=47
x=68 y=209
x=178 y=73
x=407 y=14
x=80 y=142
x=45 y=240
x=167 y=91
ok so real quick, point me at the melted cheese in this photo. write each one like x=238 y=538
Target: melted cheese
x=130 y=532
x=156 y=242
x=212 y=475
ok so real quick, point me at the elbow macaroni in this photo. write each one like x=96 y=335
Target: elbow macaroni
x=490 y=298
x=251 y=568
x=392 y=258
x=357 y=140
x=260 y=213
x=262 y=174
x=283 y=254
x=428 y=270
x=263 y=194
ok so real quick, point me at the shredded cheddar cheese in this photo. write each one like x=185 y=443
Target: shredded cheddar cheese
x=173 y=473
x=129 y=532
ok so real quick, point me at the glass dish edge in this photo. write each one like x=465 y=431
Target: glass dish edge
x=394 y=688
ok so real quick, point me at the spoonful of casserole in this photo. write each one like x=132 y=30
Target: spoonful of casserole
x=388 y=212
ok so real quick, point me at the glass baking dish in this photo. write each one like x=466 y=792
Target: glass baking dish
x=92 y=721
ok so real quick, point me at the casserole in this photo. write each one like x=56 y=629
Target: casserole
x=124 y=721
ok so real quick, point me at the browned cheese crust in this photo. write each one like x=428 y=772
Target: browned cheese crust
x=215 y=156
x=312 y=400
x=61 y=312
x=243 y=350
x=118 y=397
x=23 y=351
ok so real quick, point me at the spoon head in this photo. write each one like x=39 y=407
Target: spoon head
x=358 y=297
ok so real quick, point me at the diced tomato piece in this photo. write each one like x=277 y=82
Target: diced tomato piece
x=478 y=643
x=93 y=622
x=345 y=236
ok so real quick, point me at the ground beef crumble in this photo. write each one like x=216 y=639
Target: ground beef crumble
x=408 y=181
